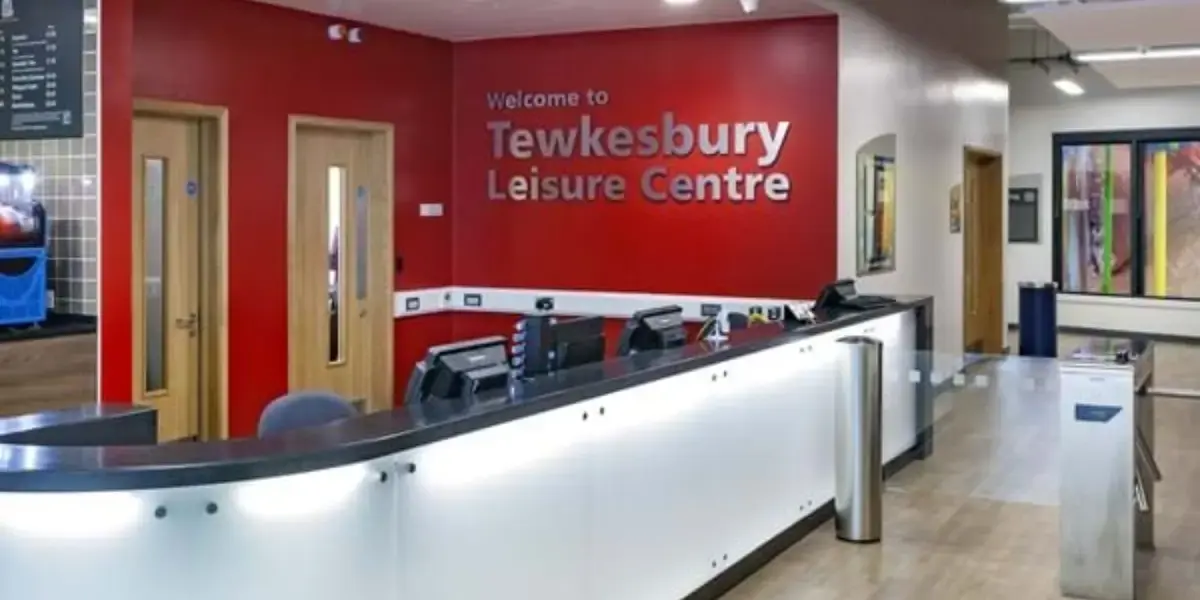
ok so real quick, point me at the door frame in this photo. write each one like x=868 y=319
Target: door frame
x=989 y=165
x=383 y=136
x=213 y=392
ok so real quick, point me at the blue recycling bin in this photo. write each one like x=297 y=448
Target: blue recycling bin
x=1038 y=319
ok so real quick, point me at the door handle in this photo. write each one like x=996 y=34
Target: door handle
x=190 y=324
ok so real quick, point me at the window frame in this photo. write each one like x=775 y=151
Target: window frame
x=1137 y=140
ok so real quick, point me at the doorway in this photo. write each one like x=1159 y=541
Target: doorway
x=340 y=275
x=178 y=239
x=983 y=252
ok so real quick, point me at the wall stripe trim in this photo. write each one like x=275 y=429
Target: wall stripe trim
x=412 y=303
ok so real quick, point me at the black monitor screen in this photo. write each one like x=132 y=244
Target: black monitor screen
x=834 y=294
x=578 y=342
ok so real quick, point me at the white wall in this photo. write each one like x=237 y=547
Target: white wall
x=1031 y=153
x=936 y=104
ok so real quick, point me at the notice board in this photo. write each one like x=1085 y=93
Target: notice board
x=41 y=69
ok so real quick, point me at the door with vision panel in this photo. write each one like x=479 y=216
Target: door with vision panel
x=340 y=275
x=167 y=284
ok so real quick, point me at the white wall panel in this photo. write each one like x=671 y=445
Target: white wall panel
x=936 y=105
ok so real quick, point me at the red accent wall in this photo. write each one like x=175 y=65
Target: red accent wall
x=767 y=71
x=116 y=259
x=264 y=63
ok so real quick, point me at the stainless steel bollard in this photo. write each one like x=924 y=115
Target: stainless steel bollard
x=858 y=437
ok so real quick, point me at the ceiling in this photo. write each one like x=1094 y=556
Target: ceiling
x=462 y=20
x=1032 y=83
x=1128 y=24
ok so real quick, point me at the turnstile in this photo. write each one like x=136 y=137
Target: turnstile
x=1107 y=470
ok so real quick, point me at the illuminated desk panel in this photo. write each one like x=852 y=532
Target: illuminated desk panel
x=644 y=478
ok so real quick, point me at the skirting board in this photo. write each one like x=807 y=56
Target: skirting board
x=617 y=305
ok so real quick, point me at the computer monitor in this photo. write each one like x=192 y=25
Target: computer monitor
x=653 y=329
x=460 y=370
x=577 y=342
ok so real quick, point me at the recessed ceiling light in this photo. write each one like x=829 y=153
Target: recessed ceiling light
x=1069 y=87
x=680 y=2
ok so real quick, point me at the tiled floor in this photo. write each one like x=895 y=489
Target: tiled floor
x=980 y=519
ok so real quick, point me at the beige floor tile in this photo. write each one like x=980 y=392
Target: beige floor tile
x=979 y=520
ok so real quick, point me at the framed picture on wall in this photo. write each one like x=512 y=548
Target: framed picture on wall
x=876 y=222
x=956 y=209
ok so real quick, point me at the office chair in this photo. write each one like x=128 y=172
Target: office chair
x=301 y=410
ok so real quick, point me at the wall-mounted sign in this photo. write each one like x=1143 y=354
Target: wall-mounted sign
x=41 y=69
x=1023 y=215
x=666 y=143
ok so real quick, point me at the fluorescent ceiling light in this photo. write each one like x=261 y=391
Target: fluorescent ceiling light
x=1069 y=87
x=1139 y=54
x=1180 y=52
x=680 y=2
x=1110 y=56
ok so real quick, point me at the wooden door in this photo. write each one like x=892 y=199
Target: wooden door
x=340 y=277
x=166 y=273
x=983 y=253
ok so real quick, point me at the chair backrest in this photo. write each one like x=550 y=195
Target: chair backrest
x=300 y=410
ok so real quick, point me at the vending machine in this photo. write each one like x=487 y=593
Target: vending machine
x=23 y=249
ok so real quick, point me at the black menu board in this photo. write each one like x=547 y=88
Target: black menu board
x=41 y=69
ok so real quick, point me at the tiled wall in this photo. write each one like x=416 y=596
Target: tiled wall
x=68 y=187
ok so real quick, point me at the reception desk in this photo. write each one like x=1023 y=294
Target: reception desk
x=657 y=477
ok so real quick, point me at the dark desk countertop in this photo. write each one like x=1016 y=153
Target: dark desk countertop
x=55 y=325
x=34 y=468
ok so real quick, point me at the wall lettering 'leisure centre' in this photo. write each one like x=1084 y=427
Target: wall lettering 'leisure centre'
x=667 y=139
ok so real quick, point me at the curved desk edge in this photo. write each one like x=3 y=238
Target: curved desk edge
x=45 y=468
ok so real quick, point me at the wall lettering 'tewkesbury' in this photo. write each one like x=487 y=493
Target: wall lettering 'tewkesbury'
x=668 y=138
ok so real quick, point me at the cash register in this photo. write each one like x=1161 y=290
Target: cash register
x=470 y=371
x=841 y=296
